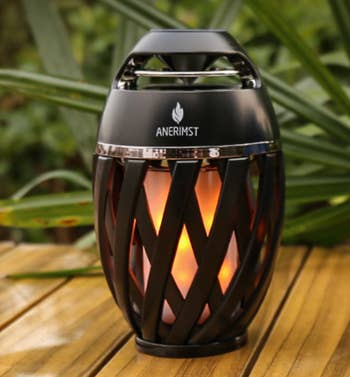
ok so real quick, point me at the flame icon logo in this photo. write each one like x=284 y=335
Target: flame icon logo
x=178 y=113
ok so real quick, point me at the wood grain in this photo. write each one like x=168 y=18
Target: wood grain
x=312 y=335
x=70 y=333
x=17 y=296
x=127 y=362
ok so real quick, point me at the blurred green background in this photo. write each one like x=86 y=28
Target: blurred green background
x=57 y=59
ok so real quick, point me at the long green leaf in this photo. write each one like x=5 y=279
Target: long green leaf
x=83 y=271
x=319 y=219
x=317 y=145
x=142 y=13
x=69 y=93
x=279 y=25
x=291 y=99
x=53 y=44
x=225 y=14
x=304 y=154
x=83 y=104
x=53 y=84
x=162 y=18
x=45 y=211
x=311 y=189
x=341 y=12
x=55 y=174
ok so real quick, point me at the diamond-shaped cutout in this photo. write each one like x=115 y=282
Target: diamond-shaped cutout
x=157 y=185
x=229 y=264
x=184 y=266
x=208 y=187
x=168 y=315
x=146 y=268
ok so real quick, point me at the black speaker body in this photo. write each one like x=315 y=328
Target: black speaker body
x=188 y=193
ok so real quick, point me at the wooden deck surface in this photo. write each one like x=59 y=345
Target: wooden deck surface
x=71 y=327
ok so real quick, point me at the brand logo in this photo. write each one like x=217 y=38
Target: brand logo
x=178 y=113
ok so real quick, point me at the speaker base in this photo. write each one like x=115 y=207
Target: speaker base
x=193 y=350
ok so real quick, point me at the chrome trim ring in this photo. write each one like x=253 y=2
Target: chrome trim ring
x=175 y=153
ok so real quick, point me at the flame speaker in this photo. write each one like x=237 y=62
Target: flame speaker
x=188 y=192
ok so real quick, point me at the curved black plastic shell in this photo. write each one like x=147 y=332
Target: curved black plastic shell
x=124 y=225
x=211 y=116
x=216 y=117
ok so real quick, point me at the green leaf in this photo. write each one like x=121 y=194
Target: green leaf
x=271 y=16
x=69 y=93
x=143 y=14
x=84 y=271
x=45 y=211
x=341 y=12
x=312 y=189
x=317 y=145
x=53 y=44
x=37 y=93
x=317 y=220
x=53 y=84
x=291 y=99
x=225 y=14
x=55 y=174
x=81 y=105
x=298 y=152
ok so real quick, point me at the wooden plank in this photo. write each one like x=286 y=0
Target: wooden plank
x=16 y=296
x=70 y=333
x=6 y=246
x=312 y=334
x=127 y=362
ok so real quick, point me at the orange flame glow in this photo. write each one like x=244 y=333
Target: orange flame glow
x=208 y=186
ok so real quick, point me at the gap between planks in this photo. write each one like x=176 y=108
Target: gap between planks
x=19 y=296
x=71 y=333
x=260 y=346
x=312 y=334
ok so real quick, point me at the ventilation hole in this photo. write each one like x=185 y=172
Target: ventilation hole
x=229 y=265
x=168 y=315
x=157 y=185
x=205 y=315
x=207 y=189
x=184 y=266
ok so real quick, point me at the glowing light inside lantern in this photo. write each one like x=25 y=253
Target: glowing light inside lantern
x=208 y=186
x=184 y=266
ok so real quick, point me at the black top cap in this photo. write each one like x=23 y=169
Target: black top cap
x=186 y=41
x=190 y=115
